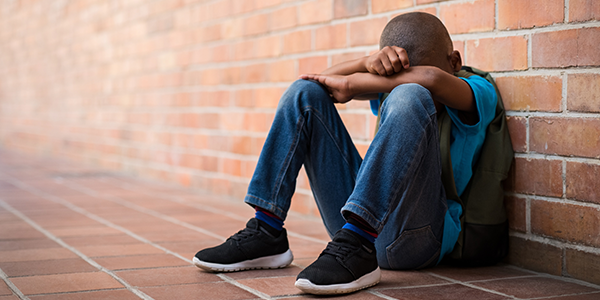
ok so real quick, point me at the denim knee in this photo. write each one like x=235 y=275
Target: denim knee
x=303 y=92
x=408 y=98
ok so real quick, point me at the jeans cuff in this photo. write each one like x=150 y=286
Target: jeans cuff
x=266 y=205
x=352 y=207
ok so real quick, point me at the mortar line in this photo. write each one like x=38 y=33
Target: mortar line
x=110 y=224
x=471 y=285
x=54 y=238
x=10 y=284
x=218 y=211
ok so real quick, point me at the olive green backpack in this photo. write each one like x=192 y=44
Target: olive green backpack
x=483 y=239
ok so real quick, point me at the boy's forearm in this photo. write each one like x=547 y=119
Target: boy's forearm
x=445 y=88
x=347 y=67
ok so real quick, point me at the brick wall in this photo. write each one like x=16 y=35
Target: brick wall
x=184 y=91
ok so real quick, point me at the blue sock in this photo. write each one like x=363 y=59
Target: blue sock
x=361 y=232
x=269 y=218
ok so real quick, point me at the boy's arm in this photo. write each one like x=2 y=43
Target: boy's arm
x=385 y=62
x=444 y=87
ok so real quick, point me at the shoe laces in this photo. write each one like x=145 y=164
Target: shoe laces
x=338 y=249
x=244 y=234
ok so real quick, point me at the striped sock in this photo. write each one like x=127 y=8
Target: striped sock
x=269 y=218
x=360 y=226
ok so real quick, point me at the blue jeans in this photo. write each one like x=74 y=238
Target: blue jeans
x=396 y=189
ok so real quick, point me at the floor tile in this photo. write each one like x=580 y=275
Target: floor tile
x=11 y=297
x=84 y=231
x=360 y=295
x=288 y=271
x=117 y=239
x=7 y=245
x=140 y=261
x=481 y=273
x=531 y=287
x=97 y=295
x=407 y=278
x=167 y=276
x=589 y=296
x=443 y=292
x=273 y=286
x=61 y=283
x=208 y=291
x=35 y=254
x=118 y=250
x=46 y=267
x=4 y=290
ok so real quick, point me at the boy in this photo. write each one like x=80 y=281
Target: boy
x=394 y=212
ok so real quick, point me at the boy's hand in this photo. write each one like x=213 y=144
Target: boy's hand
x=337 y=85
x=387 y=61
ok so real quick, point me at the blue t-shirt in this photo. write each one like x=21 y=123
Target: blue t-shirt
x=465 y=147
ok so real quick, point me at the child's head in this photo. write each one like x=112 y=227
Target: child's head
x=425 y=39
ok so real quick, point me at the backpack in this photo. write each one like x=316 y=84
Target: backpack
x=483 y=239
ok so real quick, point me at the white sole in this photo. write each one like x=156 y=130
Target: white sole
x=364 y=282
x=267 y=262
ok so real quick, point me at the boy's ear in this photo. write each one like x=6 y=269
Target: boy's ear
x=455 y=61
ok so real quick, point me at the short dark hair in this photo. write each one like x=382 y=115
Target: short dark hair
x=422 y=35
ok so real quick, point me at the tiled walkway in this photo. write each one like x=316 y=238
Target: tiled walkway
x=70 y=232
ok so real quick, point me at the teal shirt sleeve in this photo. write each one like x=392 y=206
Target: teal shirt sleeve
x=465 y=147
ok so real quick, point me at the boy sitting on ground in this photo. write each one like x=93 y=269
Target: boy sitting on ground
x=390 y=209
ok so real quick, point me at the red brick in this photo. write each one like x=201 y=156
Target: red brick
x=473 y=16
x=516 y=209
x=566 y=48
x=65 y=283
x=517 y=14
x=568 y=222
x=244 y=50
x=283 y=18
x=366 y=32
x=537 y=176
x=256 y=24
x=565 y=136
x=459 y=45
x=582 y=179
x=583 y=10
x=258 y=122
x=315 y=11
x=583 y=92
x=356 y=125
x=535 y=256
x=428 y=1
x=339 y=58
x=254 y=73
x=498 y=54
x=330 y=37
x=312 y=65
x=232 y=28
x=517 y=126
x=379 y=6
x=583 y=265
x=298 y=41
x=268 y=47
x=349 y=8
x=531 y=93
x=268 y=97
x=282 y=70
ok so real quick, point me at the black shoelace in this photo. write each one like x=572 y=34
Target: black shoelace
x=244 y=234
x=338 y=249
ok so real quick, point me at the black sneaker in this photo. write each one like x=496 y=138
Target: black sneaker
x=345 y=266
x=253 y=247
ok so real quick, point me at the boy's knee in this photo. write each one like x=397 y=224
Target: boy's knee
x=303 y=91
x=409 y=98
